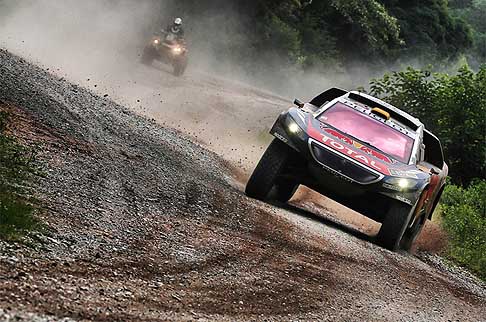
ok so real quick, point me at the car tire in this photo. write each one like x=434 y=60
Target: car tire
x=394 y=226
x=412 y=233
x=283 y=191
x=264 y=176
x=180 y=66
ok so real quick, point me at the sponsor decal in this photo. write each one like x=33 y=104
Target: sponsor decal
x=404 y=173
x=280 y=137
x=358 y=145
x=391 y=187
x=362 y=158
x=405 y=200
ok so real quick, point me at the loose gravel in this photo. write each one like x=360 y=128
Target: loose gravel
x=145 y=225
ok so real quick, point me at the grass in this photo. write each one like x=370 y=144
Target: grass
x=437 y=215
x=16 y=218
x=16 y=171
x=464 y=218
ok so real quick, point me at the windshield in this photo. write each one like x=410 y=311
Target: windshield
x=369 y=130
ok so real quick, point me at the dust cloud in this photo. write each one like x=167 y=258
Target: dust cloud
x=77 y=37
x=104 y=38
x=97 y=44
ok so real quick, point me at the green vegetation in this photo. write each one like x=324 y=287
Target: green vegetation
x=430 y=32
x=334 y=33
x=464 y=218
x=473 y=12
x=16 y=169
x=454 y=107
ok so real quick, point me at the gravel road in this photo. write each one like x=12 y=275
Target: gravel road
x=146 y=224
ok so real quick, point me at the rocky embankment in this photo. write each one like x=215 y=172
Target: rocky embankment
x=144 y=225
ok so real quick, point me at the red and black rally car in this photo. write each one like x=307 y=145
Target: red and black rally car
x=362 y=152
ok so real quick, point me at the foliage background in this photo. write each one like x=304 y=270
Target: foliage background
x=337 y=33
x=464 y=218
x=454 y=107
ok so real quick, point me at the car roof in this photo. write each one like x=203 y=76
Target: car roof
x=355 y=95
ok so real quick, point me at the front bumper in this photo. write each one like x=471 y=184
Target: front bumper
x=342 y=178
x=341 y=165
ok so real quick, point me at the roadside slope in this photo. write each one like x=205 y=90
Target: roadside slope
x=145 y=225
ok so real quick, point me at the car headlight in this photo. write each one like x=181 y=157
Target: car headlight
x=156 y=41
x=292 y=126
x=405 y=183
x=401 y=184
x=177 y=50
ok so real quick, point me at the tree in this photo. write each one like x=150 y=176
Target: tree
x=452 y=106
x=429 y=30
x=474 y=12
x=288 y=34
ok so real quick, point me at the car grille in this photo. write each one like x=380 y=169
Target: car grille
x=342 y=166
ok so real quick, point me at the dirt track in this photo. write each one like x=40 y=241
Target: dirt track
x=146 y=225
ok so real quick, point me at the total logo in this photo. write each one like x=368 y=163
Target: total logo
x=358 y=145
x=362 y=158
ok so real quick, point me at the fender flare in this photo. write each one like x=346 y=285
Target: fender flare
x=436 y=202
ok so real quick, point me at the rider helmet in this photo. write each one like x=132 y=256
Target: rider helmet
x=176 y=27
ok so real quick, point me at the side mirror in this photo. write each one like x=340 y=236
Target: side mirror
x=433 y=171
x=298 y=103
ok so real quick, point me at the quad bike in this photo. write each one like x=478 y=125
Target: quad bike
x=167 y=49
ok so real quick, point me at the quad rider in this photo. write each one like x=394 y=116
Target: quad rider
x=168 y=46
x=175 y=29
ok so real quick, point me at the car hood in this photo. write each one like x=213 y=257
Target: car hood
x=352 y=149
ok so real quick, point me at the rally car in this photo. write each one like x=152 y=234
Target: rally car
x=362 y=152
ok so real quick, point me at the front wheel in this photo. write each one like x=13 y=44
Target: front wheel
x=264 y=177
x=148 y=56
x=283 y=191
x=180 y=66
x=394 y=226
x=412 y=233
